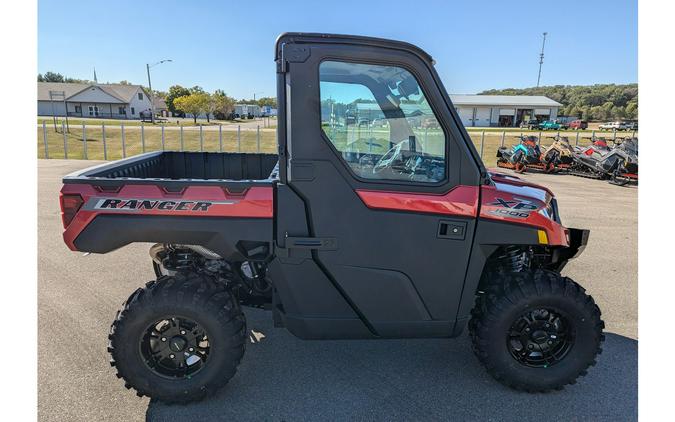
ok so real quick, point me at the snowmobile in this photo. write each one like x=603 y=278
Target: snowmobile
x=559 y=155
x=619 y=165
x=598 y=145
x=526 y=154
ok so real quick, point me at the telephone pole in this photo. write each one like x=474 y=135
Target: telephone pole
x=541 y=58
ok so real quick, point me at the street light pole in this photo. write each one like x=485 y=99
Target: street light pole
x=152 y=100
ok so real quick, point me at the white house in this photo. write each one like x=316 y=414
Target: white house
x=115 y=101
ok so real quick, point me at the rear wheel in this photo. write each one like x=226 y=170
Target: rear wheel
x=535 y=331
x=178 y=339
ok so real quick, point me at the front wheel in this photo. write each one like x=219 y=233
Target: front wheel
x=535 y=331
x=178 y=339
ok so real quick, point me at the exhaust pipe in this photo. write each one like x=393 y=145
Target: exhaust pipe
x=158 y=251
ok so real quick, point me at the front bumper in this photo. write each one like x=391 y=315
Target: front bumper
x=578 y=239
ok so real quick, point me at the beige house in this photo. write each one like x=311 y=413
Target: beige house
x=160 y=107
x=116 y=101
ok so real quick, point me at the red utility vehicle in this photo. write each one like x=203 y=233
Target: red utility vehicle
x=394 y=232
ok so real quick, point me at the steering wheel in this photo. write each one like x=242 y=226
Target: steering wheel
x=392 y=154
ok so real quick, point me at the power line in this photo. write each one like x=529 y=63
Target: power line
x=541 y=58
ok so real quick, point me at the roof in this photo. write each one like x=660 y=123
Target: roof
x=503 y=100
x=159 y=103
x=120 y=91
x=321 y=38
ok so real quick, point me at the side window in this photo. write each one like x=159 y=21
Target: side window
x=140 y=95
x=379 y=120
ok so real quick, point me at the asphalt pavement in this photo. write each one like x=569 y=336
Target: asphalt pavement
x=283 y=378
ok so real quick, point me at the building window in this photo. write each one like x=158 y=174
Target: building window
x=133 y=112
x=140 y=96
x=93 y=111
x=379 y=121
x=121 y=110
x=78 y=109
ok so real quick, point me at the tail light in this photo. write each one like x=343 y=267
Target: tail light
x=70 y=205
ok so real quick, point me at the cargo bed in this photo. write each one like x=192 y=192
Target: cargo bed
x=217 y=200
x=186 y=167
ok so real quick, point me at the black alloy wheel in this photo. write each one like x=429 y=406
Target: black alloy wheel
x=540 y=338
x=179 y=338
x=175 y=347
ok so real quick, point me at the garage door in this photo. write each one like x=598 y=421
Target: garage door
x=482 y=117
x=507 y=111
x=466 y=114
x=542 y=111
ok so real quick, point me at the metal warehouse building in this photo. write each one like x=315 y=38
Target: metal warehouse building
x=503 y=110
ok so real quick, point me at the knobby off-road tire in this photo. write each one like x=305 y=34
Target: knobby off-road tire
x=508 y=297
x=213 y=313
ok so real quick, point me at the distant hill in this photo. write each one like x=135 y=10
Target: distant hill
x=590 y=102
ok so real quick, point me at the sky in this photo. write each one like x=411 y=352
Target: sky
x=227 y=45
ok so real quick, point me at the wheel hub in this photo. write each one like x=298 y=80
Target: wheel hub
x=540 y=338
x=177 y=343
x=175 y=347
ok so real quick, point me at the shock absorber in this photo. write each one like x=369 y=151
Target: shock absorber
x=178 y=259
x=511 y=258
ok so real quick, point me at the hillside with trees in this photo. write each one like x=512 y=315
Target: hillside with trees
x=590 y=102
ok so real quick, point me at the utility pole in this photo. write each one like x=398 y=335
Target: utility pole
x=541 y=58
x=152 y=101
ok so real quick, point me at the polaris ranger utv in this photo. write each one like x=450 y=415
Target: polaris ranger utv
x=351 y=232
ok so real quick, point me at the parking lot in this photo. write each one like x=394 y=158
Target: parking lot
x=285 y=378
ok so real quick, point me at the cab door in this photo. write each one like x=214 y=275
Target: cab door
x=389 y=183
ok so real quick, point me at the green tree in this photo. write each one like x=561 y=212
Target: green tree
x=267 y=101
x=174 y=92
x=196 y=90
x=211 y=104
x=589 y=100
x=224 y=104
x=632 y=111
x=194 y=104
x=51 y=77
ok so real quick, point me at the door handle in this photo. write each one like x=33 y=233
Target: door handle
x=451 y=230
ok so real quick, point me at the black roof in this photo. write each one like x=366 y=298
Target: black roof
x=307 y=37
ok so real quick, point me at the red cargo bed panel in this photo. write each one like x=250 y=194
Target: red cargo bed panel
x=202 y=201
